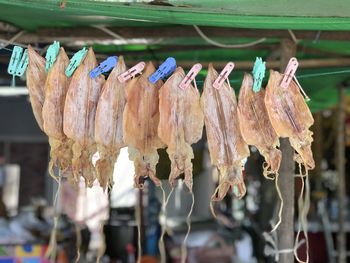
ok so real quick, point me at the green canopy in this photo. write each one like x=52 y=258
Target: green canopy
x=33 y=15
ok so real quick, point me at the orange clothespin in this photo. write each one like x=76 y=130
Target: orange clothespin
x=132 y=72
x=223 y=75
x=190 y=76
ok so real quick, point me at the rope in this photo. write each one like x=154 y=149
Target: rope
x=188 y=221
x=217 y=44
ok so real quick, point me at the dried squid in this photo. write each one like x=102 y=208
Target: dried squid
x=36 y=77
x=256 y=127
x=56 y=87
x=180 y=125
x=79 y=117
x=140 y=124
x=290 y=117
x=109 y=124
x=226 y=145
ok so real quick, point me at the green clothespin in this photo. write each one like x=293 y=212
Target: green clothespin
x=22 y=66
x=14 y=60
x=258 y=74
x=75 y=61
x=51 y=54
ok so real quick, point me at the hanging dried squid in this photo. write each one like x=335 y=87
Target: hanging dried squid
x=56 y=87
x=256 y=128
x=109 y=124
x=226 y=145
x=290 y=117
x=79 y=117
x=36 y=77
x=180 y=125
x=140 y=125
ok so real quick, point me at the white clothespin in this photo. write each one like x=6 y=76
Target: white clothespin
x=223 y=75
x=132 y=72
x=289 y=74
x=190 y=76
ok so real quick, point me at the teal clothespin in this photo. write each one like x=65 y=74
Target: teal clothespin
x=75 y=61
x=18 y=63
x=14 y=60
x=51 y=54
x=258 y=74
x=23 y=64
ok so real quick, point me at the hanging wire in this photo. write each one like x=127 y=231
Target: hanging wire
x=11 y=40
x=110 y=32
x=214 y=43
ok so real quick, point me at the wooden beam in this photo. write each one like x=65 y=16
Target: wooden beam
x=189 y=31
x=64 y=35
x=341 y=236
x=286 y=175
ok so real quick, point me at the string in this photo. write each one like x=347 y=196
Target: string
x=78 y=241
x=303 y=208
x=102 y=247
x=281 y=204
x=138 y=223
x=165 y=202
x=188 y=221
x=52 y=248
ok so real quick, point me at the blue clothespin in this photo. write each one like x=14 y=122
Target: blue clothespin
x=105 y=66
x=164 y=70
x=75 y=61
x=51 y=54
x=258 y=74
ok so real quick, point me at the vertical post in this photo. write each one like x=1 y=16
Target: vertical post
x=341 y=237
x=286 y=174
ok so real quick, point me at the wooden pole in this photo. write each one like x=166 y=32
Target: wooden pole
x=286 y=174
x=341 y=237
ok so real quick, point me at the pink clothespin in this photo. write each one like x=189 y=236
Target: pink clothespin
x=132 y=72
x=223 y=75
x=289 y=73
x=190 y=76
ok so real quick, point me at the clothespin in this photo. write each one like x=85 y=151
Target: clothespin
x=258 y=74
x=75 y=61
x=18 y=61
x=190 y=76
x=132 y=72
x=164 y=70
x=223 y=75
x=104 y=67
x=289 y=74
x=51 y=54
